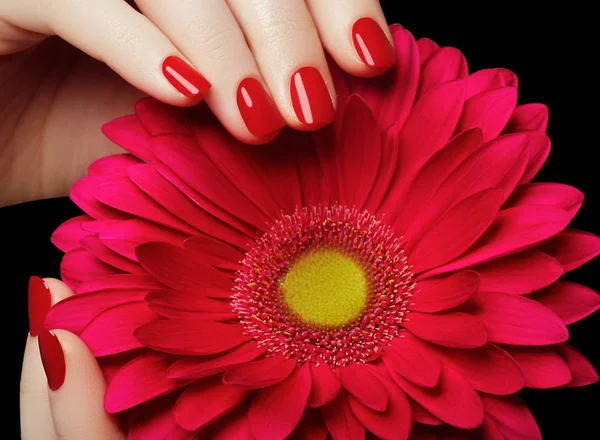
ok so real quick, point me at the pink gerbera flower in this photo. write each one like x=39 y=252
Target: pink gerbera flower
x=394 y=275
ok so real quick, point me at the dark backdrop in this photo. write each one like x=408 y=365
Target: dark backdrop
x=554 y=67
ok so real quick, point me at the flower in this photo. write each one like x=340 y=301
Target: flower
x=396 y=273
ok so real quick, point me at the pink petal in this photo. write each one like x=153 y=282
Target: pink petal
x=364 y=386
x=199 y=367
x=387 y=168
x=455 y=231
x=513 y=230
x=190 y=337
x=552 y=194
x=450 y=329
x=422 y=416
x=484 y=80
x=412 y=359
x=94 y=246
x=179 y=268
x=236 y=429
x=158 y=117
x=489 y=110
x=488 y=368
x=262 y=373
x=79 y=265
x=453 y=400
x=516 y=320
x=129 y=134
x=511 y=416
x=520 y=273
x=275 y=411
x=341 y=421
x=325 y=385
x=441 y=294
x=81 y=195
x=426 y=48
x=570 y=301
x=539 y=149
x=67 y=236
x=186 y=301
x=75 y=312
x=445 y=64
x=160 y=425
x=115 y=165
x=408 y=204
x=141 y=380
x=392 y=424
x=572 y=248
x=359 y=128
x=111 y=331
x=120 y=282
x=215 y=252
x=489 y=430
x=541 y=367
x=183 y=155
x=204 y=402
x=528 y=117
x=581 y=369
x=122 y=194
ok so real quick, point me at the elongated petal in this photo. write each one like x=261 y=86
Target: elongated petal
x=413 y=359
x=539 y=149
x=520 y=273
x=488 y=368
x=445 y=64
x=68 y=235
x=552 y=194
x=111 y=332
x=159 y=424
x=541 y=367
x=528 y=117
x=325 y=385
x=572 y=248
x=570 y=301
x=205 y=402
x=441 y=294
x=123 y=282
x=422 y=416
x=364 y=386
x=511 y=416
x=260 y=374
x=128 y=133
x=516 y=320
x=141 y=380
x=341 y=421
x=489 y=79
x=426 y=48
x=451 y=329
x=187 y=301
x=581 y=369
x=453 y=400
x=190 y=337
x=216 y=252
x=94 y=246
x=276 y=411
x=237 y=428
x=199 y=367
x=78 y=266
x=115 y=165
x=158 y=117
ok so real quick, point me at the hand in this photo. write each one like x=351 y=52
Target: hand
x=62 y=392
x=259 y=64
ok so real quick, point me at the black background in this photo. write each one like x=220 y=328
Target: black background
x=553 y=59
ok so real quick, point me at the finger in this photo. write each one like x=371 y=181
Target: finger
x=36 y=419
x=355 y=34
x=208 y=35
x=286 y=45
x=113 y=32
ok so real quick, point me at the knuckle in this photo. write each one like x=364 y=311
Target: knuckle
x=279 y=25
x=214 y=41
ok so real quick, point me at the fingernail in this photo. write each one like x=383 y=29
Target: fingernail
x=53 y=359
x=39 y=303
x=257 y=108
x=184 y=77
x=310 y=98
x=372 y=45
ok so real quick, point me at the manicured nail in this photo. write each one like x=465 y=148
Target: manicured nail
x=53 y=359
x=257 y=108
x=372 y=45
x=184 y=77
x=310 y=98
x=39 y=302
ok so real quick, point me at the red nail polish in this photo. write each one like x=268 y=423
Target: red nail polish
x=257 y=108
x=39 y=302
x=372 y=44
x=184 y=77
x=53 y=359
x=310 y=98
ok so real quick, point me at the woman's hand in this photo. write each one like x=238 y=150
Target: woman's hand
x=62 y=386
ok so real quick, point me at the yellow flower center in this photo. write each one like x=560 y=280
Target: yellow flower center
x=325 y=287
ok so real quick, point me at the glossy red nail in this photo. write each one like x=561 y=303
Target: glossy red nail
x=184 y=77
x=257 y=108
x=372 y=44
x=53 y=359
x=310 y=98
x=39 y=302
